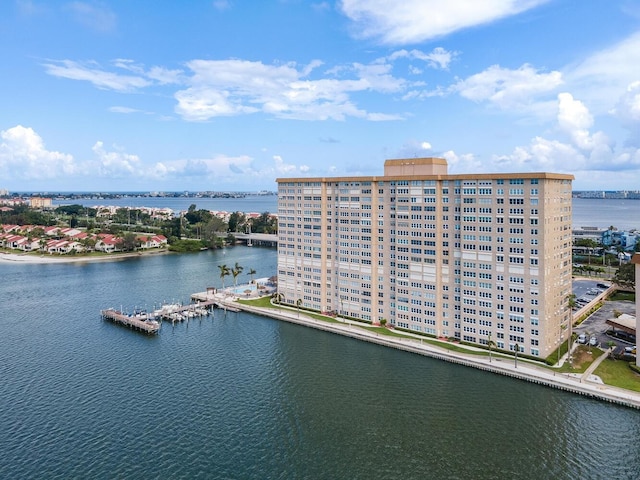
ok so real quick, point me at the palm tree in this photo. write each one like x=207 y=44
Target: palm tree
x=238 y=267
x=235 y=272
x=278 y=297
x=224 y=271
x=298 y=303
x=252 y=272
x=490 y=343
x=517 y=350
x=571 y=304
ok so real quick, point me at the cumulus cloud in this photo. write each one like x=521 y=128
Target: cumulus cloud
x=583 y=150
x=627 y=110
x=507 y=88
x=23 y=155
x=221 y=168
x=465 y=162
x=116 y=164
x=414 y=21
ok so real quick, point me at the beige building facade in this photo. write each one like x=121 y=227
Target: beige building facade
x=477 y=257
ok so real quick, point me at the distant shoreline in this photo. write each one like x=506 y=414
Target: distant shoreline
x=24 y=258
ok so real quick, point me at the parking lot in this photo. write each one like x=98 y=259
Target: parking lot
x=596 y=323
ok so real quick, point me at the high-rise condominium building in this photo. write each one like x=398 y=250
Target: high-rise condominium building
x=477 y=257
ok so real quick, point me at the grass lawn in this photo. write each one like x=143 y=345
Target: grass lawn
x=582 y=359
x=262 y=302
x=618 y=374
x=618 y=296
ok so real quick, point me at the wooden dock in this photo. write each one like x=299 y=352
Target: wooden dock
x=142 y=322
x=177 y=312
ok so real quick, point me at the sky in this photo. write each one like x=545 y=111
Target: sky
x=228 y=95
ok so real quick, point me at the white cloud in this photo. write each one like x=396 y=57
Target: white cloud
x=628 y=112
x=629 y=105
x=116 y=164
x=23 y=155
x=600 y=78
x=414 y=21
x=233 y=87
x=506 y=88
x=459 y=163
x=97 y=76
x=582 y=152
x=438 y=58
x=119 y=109
x=575 y=119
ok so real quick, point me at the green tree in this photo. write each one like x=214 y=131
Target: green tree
x=224 y=271
x=252 y=272
x=236 y=220
x=129 y=242
x=626 y=275
x=236 y=271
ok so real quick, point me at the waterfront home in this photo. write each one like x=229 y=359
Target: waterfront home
x=107 y=243
x=154 y=241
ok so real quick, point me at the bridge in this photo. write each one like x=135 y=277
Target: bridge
x=258 y=239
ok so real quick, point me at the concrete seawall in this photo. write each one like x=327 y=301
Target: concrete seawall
x=500 y=365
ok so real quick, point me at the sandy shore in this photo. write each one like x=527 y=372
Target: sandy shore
x=27 y=258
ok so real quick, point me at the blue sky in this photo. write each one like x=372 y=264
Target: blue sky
x=227 y=95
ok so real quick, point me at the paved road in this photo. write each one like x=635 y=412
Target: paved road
x=595 y=324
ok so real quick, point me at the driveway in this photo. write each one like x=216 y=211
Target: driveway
x=595 y=324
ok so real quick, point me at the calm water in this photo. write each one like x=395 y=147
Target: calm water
x=244 y=397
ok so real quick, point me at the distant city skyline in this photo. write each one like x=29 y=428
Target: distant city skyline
x=227 y=96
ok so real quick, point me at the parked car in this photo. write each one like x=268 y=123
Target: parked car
x=631 y=350
x=593 y=341
x=582 y=338
x=602 y=285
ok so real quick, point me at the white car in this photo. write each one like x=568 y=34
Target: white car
x=593 y=341
x=582 y=338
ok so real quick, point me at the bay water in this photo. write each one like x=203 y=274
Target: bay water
x=238 y=396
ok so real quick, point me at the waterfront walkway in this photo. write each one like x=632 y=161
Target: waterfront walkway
x=583 y=384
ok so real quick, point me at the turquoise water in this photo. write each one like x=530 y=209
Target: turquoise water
x=242 y=289
x=244 y=397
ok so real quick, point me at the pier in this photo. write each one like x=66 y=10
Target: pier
x=141 y=322
x=175 y=312
x=150 y=322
